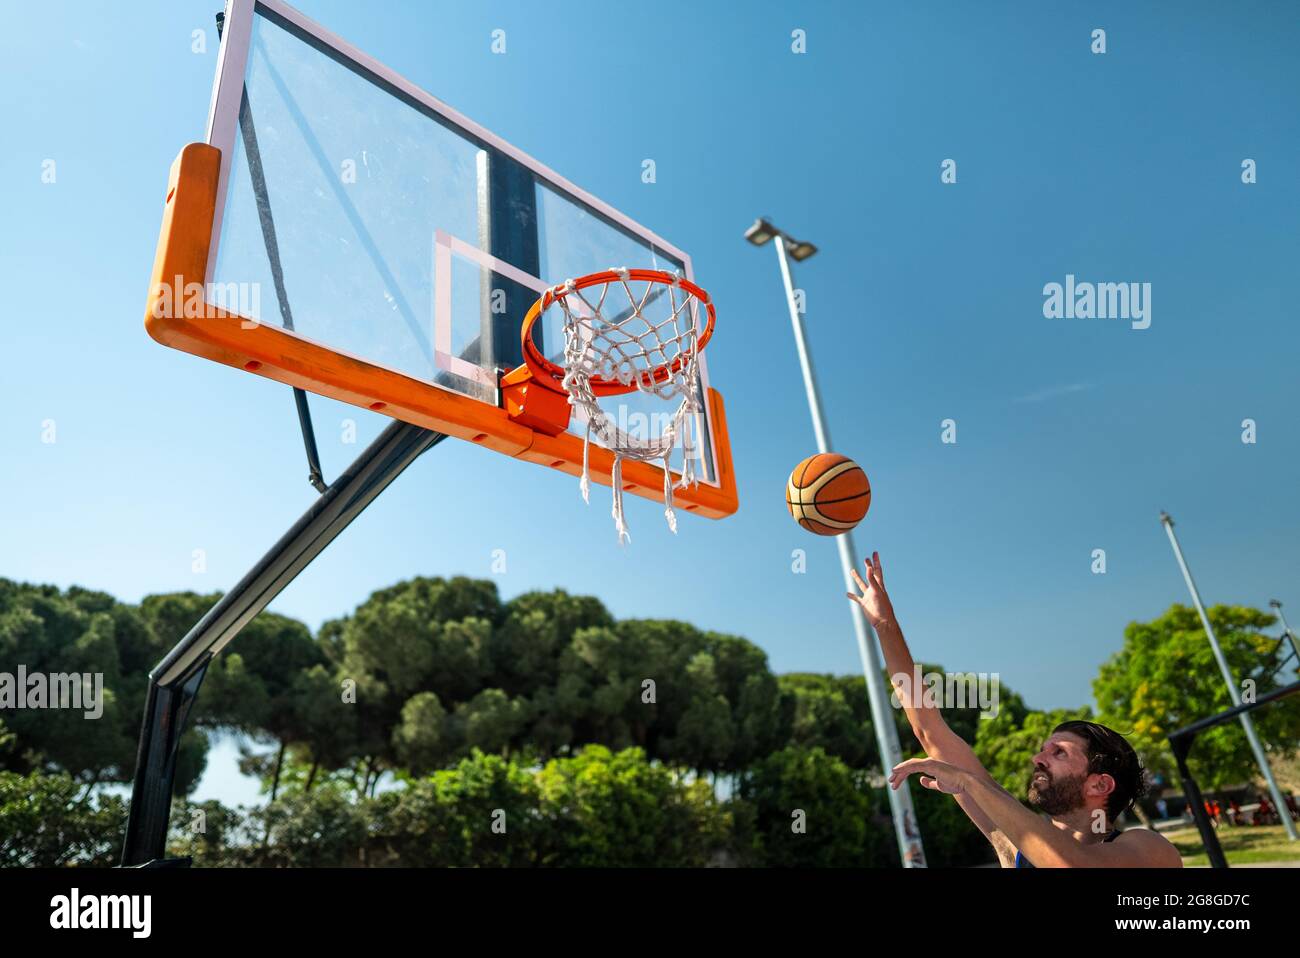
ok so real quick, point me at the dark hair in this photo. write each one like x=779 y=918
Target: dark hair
x=1109 y=753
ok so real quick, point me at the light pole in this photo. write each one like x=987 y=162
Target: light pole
x=1255 y=746
x=906 y=828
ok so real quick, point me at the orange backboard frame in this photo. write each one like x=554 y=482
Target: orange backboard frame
x=178 y=315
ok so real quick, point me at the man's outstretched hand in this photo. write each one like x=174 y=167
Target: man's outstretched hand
x=874 y=599
x=936 y=775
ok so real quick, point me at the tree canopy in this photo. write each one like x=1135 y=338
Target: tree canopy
x=402 y=733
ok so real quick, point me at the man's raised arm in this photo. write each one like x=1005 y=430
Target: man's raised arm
x=938 y=740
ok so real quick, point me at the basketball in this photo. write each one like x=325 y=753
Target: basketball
x=828 y=494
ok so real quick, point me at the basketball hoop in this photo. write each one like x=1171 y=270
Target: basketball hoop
x=612 y=347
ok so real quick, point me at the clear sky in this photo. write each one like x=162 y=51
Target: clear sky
x=924 y=304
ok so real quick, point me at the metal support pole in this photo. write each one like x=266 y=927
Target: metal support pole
x=1255 y=745
x=174 y=682
x=906 y=828
x=1196 y=803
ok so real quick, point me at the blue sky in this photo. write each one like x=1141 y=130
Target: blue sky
x=924 y=304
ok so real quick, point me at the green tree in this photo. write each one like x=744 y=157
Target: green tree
x=48 y=821
x=330 y=726
x=75 y=632
x=822 y=715
x=1165 y=677
x=846 y=823
x=491 y=721
x=484 y=813
x=607 y=809
x=211 y=834
x=421 y=738
x=535 y=630
x=422 y=635
x=256 y=687
x=324 y=828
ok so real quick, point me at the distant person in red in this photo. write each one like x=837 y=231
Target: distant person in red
x=1234 y=812
x=1082 y=779
x=1266 y=815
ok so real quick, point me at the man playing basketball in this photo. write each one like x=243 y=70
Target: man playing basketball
x=1082 y=779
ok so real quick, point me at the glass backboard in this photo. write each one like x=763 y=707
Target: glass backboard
x=378 y=247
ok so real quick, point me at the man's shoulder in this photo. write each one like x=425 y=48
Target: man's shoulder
x=1150 y=843
x=1142 y=834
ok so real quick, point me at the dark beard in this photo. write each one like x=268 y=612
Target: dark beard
x=1053 y=797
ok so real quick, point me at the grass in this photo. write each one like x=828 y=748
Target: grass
x=1243 y=845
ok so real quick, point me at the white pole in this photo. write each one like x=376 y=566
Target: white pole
x=1260 y=758
x=906 y=828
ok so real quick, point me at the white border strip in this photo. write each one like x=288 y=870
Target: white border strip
x=444 y=245
x=223 y=111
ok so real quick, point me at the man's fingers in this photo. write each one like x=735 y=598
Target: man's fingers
x=880 y=570
x=873 y=573
x=858 y=579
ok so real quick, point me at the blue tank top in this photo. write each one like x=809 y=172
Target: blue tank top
x=1023 y=862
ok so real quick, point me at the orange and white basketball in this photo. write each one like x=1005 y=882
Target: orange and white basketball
x=828 y=494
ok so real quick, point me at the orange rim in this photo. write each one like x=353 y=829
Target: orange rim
x=551 y=374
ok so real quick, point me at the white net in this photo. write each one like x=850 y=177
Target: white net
x=615 y=337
